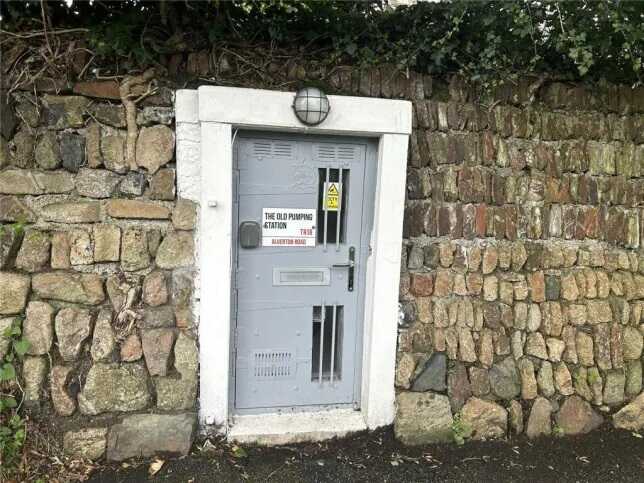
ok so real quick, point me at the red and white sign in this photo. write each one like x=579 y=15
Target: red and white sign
x=288 y=227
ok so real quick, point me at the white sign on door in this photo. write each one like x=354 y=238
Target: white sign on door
x=288 y=227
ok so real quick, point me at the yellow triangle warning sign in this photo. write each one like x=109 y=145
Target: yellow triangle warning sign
x=332 y=196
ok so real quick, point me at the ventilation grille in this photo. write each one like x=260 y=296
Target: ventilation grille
x=273 y=365
x=329 y=152
x=273 y=149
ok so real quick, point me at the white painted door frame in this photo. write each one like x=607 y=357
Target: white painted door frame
x=205 y=121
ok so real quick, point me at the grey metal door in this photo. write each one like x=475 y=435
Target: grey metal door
x=302 y=229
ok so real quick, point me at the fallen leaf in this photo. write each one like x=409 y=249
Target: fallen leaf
x=208 y=446
x=239 y=452
x=637 y=435
x=155 y=466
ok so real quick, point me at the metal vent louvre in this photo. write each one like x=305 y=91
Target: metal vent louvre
x=282 y=149
x=275 y=149
x=326 y=152
x=273 y=364
x=262 y=148
x=331 y=152
x=346 y=152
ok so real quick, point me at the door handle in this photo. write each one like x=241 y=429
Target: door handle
x=344 y=265
x=351 y=265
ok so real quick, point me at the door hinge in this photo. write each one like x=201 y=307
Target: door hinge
x=236 y=185
x=233 y=362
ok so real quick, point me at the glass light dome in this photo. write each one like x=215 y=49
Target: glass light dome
x=311 y=105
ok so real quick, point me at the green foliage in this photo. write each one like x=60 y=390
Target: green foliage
x=12 y=438
x=593 y=377
x=12 y=426
x=486 y=41
x=239 y=452
x=460 y=430
x=18 y=228
x=558 y=431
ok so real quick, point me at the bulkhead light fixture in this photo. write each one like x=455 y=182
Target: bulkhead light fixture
x=311 y=106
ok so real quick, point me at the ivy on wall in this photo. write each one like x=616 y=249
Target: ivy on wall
x=12 y=425
x=486 y=41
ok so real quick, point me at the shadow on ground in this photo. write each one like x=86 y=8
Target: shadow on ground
x=606 y=455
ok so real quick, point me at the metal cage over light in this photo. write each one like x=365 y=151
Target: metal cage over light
x=311 y=105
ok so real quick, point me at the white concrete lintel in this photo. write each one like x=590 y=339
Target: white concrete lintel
x=272 y=110
x=186 y=106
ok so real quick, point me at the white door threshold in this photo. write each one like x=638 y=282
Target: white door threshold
x=287 y=428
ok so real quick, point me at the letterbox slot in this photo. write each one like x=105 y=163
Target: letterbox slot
x=307 y=276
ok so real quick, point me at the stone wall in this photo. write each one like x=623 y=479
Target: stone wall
x=522 y=282
x=97 y=255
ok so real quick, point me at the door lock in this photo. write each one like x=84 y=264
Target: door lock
x=249 y=234
x=351 y=265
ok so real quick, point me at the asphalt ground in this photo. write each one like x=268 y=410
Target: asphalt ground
x=606 y=455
